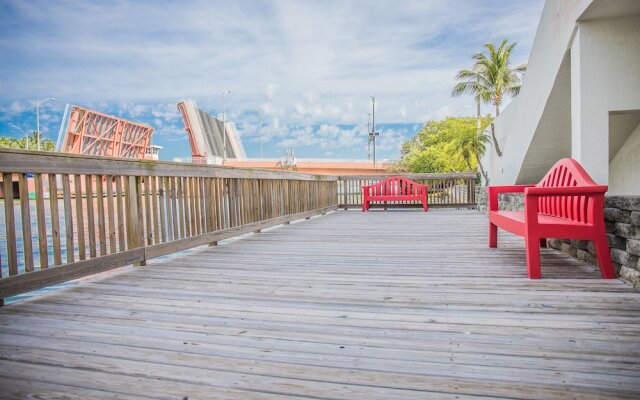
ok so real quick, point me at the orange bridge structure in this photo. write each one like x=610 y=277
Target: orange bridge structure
x=92 y=133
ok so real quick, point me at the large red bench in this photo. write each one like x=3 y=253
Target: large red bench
x=395 y=188
x=566 y=204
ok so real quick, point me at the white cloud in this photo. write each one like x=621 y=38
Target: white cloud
x=327 y=139
x=442 y=112
x=18 y=107
x=403 y=112
x=390 y=141
x=15 y=108
x=270 y=90
x=132 y=110
x=167 y=111
x=318 y=49
x=300 y=63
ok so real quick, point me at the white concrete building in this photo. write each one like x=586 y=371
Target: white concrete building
x=580 y=98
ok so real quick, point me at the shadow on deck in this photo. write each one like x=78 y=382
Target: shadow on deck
x=394 y=305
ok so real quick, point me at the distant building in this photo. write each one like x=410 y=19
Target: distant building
x=580 y=98
x=152 y=152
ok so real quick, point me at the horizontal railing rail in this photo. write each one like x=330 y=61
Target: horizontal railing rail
x=455 y=189
x=68 y=216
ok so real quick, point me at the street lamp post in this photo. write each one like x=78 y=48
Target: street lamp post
x=224 y=129
x=38 y=104
x=260 y=131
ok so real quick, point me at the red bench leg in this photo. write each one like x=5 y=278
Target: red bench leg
x=425 y=206
x=533 y=257
x=365 y=206
x=604 y=257
x=493 y=235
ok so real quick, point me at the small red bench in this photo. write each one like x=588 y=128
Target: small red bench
x=395 y=188
x=566 y=204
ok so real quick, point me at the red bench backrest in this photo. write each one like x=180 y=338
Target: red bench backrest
x=567 y=172
x=395 y=186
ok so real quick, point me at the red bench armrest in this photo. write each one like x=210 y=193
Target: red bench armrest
x=493 y=192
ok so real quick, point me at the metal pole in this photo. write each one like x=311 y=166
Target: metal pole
x=373 y=101
x=369 y=136
x=224 y=129
x=38 y=104
x=37 y=125
x=224 y=134
x=374 y=152
x=260 y=131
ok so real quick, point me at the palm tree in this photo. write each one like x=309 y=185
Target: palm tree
x=501 y=78
x=473 y=83
x=469 y=145
x=491 y=79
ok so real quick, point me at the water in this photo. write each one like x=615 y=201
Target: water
x=63 y=244
x=35 y=236
x=49 y=241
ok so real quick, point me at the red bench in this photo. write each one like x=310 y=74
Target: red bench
x=395 y=188
x=566 y=204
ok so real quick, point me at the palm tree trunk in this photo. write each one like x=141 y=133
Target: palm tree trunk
x=482 y=171
x=493 y=133
x=478 y=115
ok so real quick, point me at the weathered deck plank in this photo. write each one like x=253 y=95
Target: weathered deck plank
x=332 y=308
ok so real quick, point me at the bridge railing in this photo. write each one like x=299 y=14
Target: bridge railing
x=455 y=189
x=67 y=216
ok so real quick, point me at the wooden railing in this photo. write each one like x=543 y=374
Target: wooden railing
x=456 y=189
x=92 y=214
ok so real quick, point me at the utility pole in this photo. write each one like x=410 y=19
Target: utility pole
x=372 y=132
x=224 y=130
x=369 y=137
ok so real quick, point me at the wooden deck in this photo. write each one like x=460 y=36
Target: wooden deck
x=331 y=308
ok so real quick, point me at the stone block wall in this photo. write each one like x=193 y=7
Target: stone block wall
x=507 y=201
x=622 y=221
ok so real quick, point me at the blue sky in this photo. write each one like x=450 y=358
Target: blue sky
x=309 y=67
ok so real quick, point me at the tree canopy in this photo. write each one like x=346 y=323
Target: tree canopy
x=443 y=146
x=32 y=141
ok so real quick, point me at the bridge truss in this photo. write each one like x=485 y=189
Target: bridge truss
x=90 y=132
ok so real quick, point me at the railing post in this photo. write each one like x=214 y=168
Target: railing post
x=472 y=197
x=133 y=207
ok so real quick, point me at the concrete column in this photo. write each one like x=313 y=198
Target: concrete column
x=605 y=77
x=589 y=115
